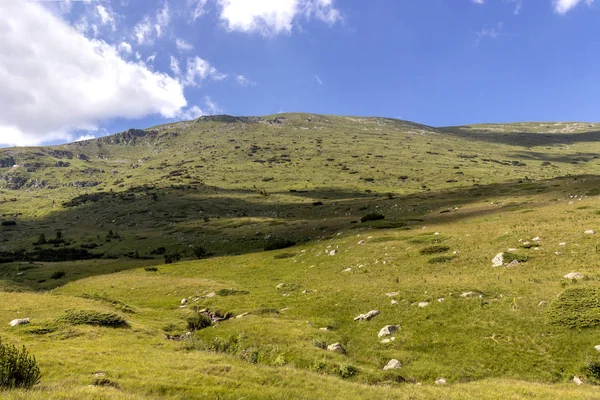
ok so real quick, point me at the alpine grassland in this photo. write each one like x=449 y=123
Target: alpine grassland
x=228 y=258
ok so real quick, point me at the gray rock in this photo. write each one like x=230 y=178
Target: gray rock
x=337 y=348
x=368 y=316
x=16 y=322
x=513 y=263
x=393 y=364
x=388 y=330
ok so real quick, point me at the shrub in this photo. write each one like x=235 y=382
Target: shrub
x=277 y=244
x=231 y=292
x=319 y=343
x=509 y=257
x=91 y=317
x=434 y=250
x=151 y=269
x=284 y=255
x=440 y=259
x=41 y=240
x=592 y=370
x=17 y=368
x=58 y=274
x=372 y=217
x=347 y=371
x=106 y=383
x=9 y=223
x=200 y=252
x=198 y=321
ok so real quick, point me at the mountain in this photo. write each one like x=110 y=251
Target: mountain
x=297 y=224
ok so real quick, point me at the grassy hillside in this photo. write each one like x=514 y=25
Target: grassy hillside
x=453 y=198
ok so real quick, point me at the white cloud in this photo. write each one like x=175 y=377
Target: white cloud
x=85 y=137
x=142 y=32
x=563 y=6
x=319 y=81
x=151 y=58
x=478 y=1
x=194 y=112
x=55 y=81
x=175 y=66
x=198 y=9
x=163 y=18
x=148 y=28
x=182 y=45
x=107 y=17
x=243 y=81
x=490 y=33
x=199 y=70
x=270 y=17
x=125 y=47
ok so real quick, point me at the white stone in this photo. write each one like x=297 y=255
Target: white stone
x=368 y=316
x=440 y=381
x=498 y=260
x=361 y=242
x=562 y=244
x=332 y=252
x=183 y=301
x=16 y=322
x=577 y=381
x=441 y=299
x=392 y=294
x=387 y=330
x=393 y=364
x=394 y=302
x=423 y=304
x=536 y=239
x=590 y=232
x=280 y=286
x=347 y=270
x=597 y=347
x=513 y=263
x=574 y=275
x=471 y=294
x=337 y=348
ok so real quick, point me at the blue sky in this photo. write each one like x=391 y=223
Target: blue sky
x=73 y=69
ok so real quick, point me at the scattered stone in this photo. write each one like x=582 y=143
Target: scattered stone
x=590 y=232
x=242 y=315
x=536 y=239
x=326 y=328
x=392 y=294
x=393 y=364
x=20 y=273
x=441 y=299
x=394 y=302
x=99 y=374
x=347 y=270
x=440 y=381
x=280 y=286
x=513 y=263
x=361 y=242
x=305 y=291
x=574 y=275
x=577 y=381
x=386 y=341
x=337 y=348
x=183 y=301
x=498 y=260
x=332 y=252
x=212 y=294
x=562 y=244
x=597 y=347
x=16 y=322
x=388 y=330
x=423 y=304
x=542 y=303
x=471 y=294
x=368 y=316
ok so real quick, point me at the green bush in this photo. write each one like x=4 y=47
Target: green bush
x=440 y=259
x=434 y=250
x=231 y=292
x=509 y=257
x=277 y=244
x=592 y=370
x=347 y=371
x=372 y=217
x=58 y=274
x=151 y=269
x=319 y=343
x=200 y=252
x=284 y=256
x=91 y=317
x=17 y=368
x=576 y=308
x=198 y=321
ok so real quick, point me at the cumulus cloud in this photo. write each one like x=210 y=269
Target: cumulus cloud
x=125 y=47
x=564 y=6
x=56 y=81
x=270 y=17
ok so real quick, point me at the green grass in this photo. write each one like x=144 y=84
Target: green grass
x=528 y=335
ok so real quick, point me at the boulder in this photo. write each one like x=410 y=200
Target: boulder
x=393 y=364
x=513 y=263
x=574 y=275
x=498 y=260
x=22 y=321
x=337 y=348
x=577 y=381
x=368 y=316
x=590 y=232
x=440 y=381
x=388 y=330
